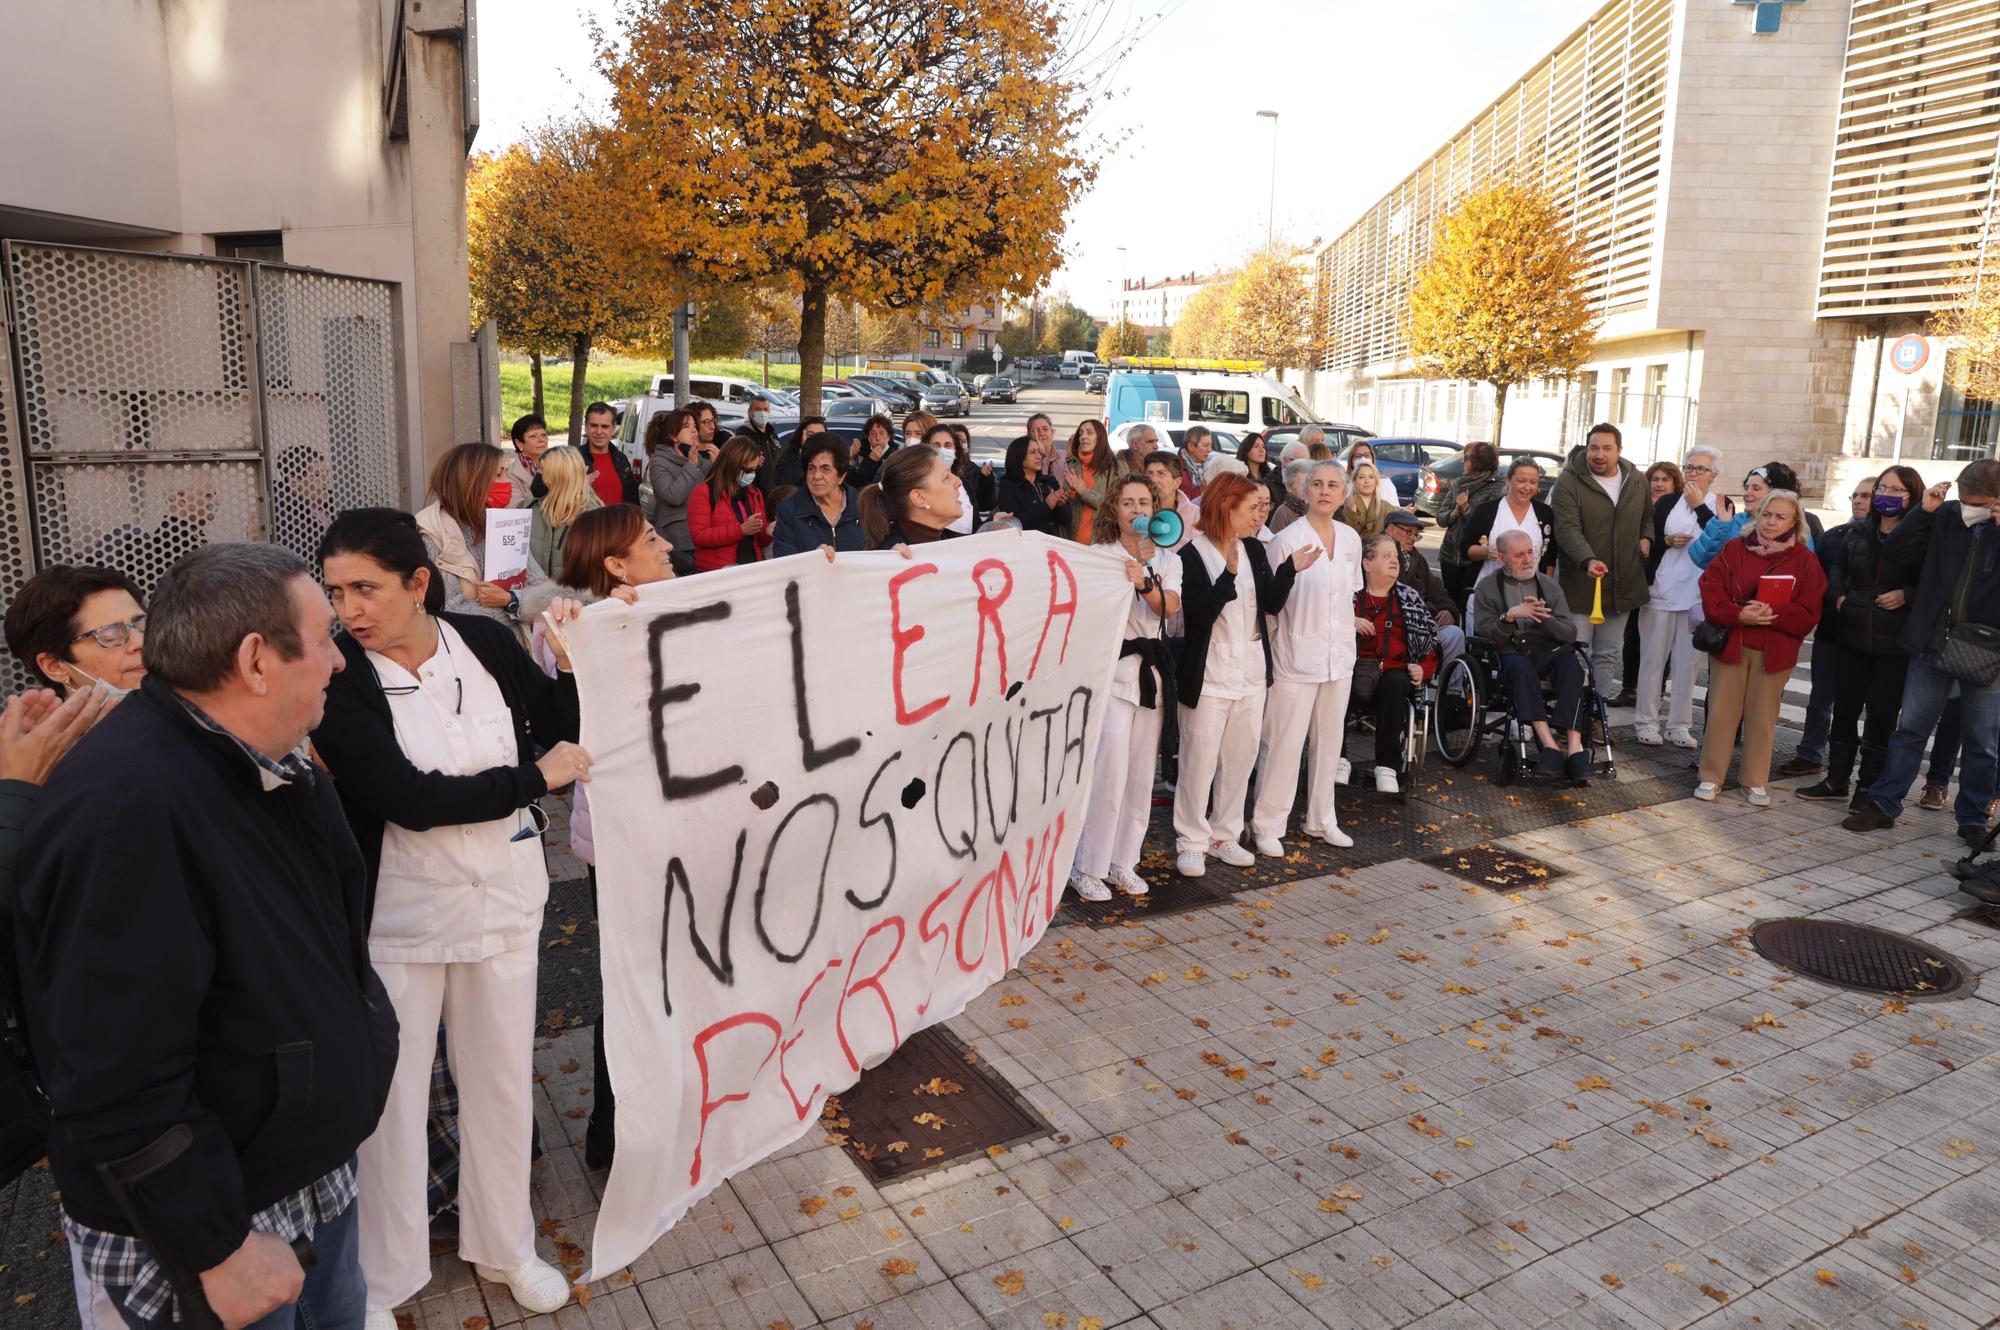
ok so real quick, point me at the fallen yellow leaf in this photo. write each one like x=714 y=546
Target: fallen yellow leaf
x=1010 y=1282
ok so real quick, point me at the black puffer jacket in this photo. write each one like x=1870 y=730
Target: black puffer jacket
x=1863 y=569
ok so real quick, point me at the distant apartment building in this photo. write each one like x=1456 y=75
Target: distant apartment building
x=234 y=268
x=946 y=340
x=1156 y=305
x=1771 y=195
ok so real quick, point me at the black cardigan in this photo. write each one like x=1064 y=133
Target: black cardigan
x=1028 y=500
x=1479 y=524
x=378 y=785
x=1202 y=602
x=1863 y=568
x=193 y=952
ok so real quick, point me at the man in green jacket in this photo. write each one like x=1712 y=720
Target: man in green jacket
x=1601 y=514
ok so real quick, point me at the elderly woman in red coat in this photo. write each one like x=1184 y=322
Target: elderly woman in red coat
x=1765 y=588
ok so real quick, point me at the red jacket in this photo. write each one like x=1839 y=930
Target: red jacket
x=1730 y=582
x=717 y=529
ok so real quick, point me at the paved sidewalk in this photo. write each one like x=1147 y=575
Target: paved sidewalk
x=1395 y=1098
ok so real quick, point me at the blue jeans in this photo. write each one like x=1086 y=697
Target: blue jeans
x=1819 y=703
x=335 y=1296
x=1924 y=695
x=1944 y=746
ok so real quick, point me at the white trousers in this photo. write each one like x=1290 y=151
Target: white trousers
x=1121 y=790
x=1218 y=749
x=489 y=1024
x=1665 y=637
x=1294 y=712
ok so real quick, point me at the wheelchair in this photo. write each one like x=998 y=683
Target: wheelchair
x=1471 y=702
x=1417 y=732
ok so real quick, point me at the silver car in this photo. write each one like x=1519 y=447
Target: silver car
x=947 y=399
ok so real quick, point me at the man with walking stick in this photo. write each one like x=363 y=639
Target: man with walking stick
x=193 y=952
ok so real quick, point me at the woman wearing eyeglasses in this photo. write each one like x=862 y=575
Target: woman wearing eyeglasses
x=74 y=625
x=431 y=732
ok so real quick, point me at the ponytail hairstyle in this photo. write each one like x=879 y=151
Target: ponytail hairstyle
x=390 y=537
x=886 y=503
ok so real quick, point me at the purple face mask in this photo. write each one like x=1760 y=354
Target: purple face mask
x=1890 y=505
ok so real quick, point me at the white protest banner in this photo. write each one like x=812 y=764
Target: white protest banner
x=507 y=544
x=831 y=803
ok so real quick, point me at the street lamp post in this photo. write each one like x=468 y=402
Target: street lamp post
x=1124 y=298
x=1271 y=209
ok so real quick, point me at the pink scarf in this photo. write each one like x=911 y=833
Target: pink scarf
x=1770 y=549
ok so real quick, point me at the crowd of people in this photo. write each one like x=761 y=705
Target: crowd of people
x=311 y=767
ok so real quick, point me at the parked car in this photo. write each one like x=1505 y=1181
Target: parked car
x=1401 y=461
x=1338 y=437
x=1437 y=478
x=946 y=398
x=1068 y=370
x=999 y=388
x=1099 y=376
x=903 y=389
x=1226 y=441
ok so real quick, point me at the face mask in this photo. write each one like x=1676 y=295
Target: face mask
x=1890 y=505
x=1973 y=514
x=501 y=495
x=912 y=440
x=116 y=692
x=746 y=478
x=950 y=455
x=758 y=418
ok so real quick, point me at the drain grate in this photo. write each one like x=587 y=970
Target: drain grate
x=1851 y=956
x=1498 y=870
x=964 y=1105
x=1169 y=894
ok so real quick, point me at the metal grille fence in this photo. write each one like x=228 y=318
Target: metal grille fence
x=156 y=403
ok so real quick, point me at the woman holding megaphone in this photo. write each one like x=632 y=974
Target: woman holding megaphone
x=1312 y=665
x=1142 y=688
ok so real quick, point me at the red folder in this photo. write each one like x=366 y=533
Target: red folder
x=1775 y=589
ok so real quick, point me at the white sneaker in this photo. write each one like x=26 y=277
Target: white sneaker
x=1649 y=735
x=1682 y=737
x=1758 y=796
x=1128 y=882
x=1232 y=854
x=537 y=1286
x=1337 y=838
x=1191 y=863
x=382 y=1320
x=1385 y=781
x=1089 y=888
x=1341 y=771
x=1706 y=791
x=1270 y=847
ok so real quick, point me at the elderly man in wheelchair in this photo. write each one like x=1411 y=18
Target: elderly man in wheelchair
x=1522 y=615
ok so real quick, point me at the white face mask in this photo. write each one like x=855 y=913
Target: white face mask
x=912 y=440
x=1974 y=514
x=758 y=418
x=950 y=455
x=746 y=478
x=116 y=692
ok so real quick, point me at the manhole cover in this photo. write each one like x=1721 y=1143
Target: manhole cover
x=1850 y=956
x=934 y=1103
x=1499 y=870
x=1169 y=894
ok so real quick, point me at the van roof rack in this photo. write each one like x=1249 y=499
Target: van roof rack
x=1187 y=364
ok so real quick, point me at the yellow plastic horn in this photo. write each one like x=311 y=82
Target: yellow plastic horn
x=1597 y=602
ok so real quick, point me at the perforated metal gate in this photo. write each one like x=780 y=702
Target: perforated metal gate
x=159 y=402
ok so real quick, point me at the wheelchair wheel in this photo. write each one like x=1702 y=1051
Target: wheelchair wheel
x=1416 y=735
x=1458 y=713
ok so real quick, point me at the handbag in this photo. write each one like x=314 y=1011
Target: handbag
x=1970 y=652
x=1711 y=636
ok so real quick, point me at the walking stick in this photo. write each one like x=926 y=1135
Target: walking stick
x=123 y=1178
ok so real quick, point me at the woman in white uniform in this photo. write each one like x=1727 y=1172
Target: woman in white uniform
x=1121 y=793
x=1516 y=510
x=1312 y=666
x=431 y=732
x=1666 y=631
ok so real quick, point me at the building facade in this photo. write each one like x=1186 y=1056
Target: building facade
x=948 y=340
x=1770 y=196
x=1156 y=306
x=232 y=241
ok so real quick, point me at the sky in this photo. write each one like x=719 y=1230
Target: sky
x=1364 y=90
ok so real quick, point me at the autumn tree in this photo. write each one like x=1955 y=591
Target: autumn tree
x=902 y=153
x=888 y=334
x=843 y=330
x=1017 y=337
x=1121 y=339
x=553 y=240
x=1269 y=314
x=1202 y=330
x=1069 y=327
x=1972 y=320
x=1501 y=298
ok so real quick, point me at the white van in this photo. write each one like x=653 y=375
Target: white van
x=721 y=392
x=1229 y=395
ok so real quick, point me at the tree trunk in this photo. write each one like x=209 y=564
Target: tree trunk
x=767 y=366
x=812 y=346
x=535 y=373
x=1499 y=410
x=579 y=363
